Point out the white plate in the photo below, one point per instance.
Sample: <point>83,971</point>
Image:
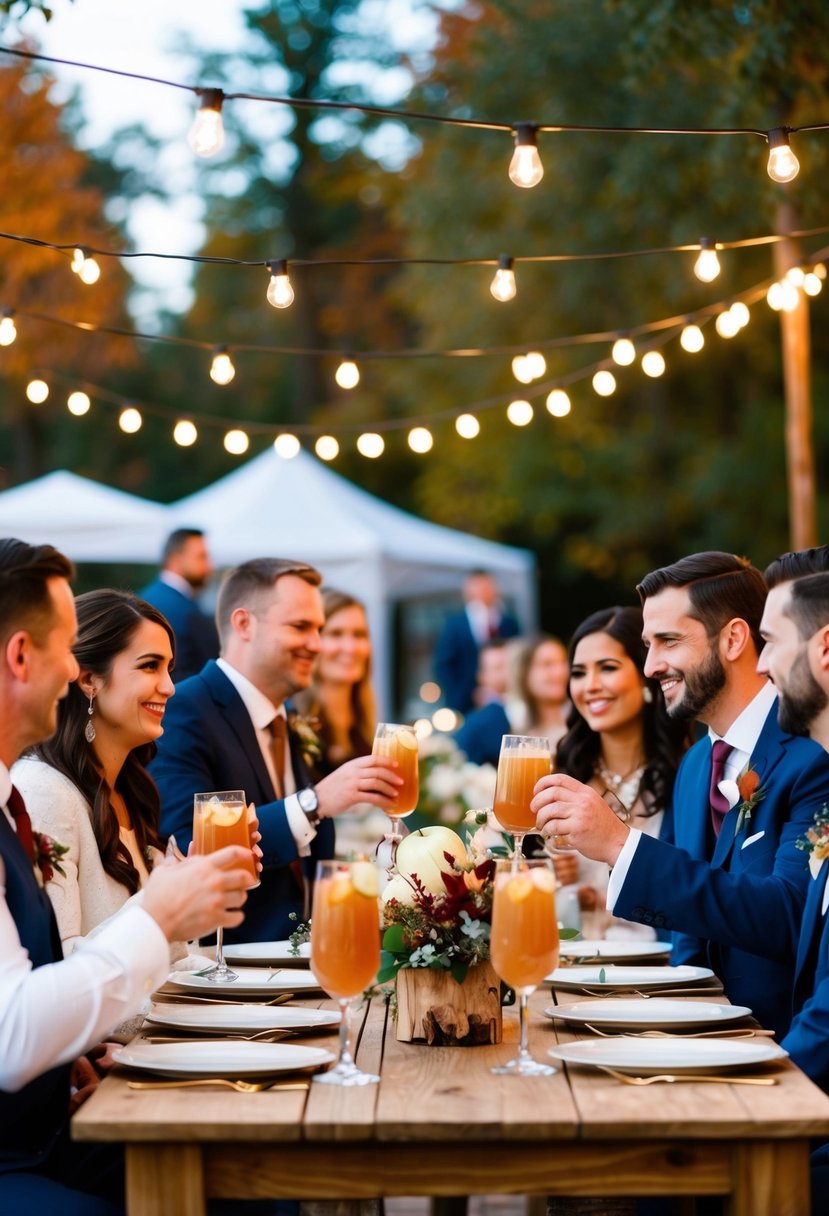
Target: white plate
<point>669,1055</point>
<point>657,1011</point>
<point>610,950</point>
<point>258,980</point>
<point>268,953</point>
<point>599,976</point>
<point>242,1017</point>
<point>220,1059</point>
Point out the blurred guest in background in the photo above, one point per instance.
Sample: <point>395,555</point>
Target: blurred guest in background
<point>463,634</point>
<point>185,570</point>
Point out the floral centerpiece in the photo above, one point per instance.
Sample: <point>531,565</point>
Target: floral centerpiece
<point>816,841</point>
<point>451,785</point>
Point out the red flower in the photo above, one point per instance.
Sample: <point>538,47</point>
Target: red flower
<point>748,783</point>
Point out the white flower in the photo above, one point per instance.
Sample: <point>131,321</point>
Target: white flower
<point>422,957</point>
<point>473,928</point>
<point>444,782</point>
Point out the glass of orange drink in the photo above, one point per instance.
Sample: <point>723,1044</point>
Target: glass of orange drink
<point>399,743</point>
<point>523,947</point>
<point>345,947</point>
<point>221,818</point>
<point>522,761</point>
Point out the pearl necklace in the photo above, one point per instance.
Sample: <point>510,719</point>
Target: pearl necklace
<point>623,786</point>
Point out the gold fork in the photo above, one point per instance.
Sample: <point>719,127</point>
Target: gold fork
<point>269,1036</point>
<point>696,1078</point>
<point>242,1087</point>
<point>186,998</point>
<point>739,1033</point>
<point>618,991</point>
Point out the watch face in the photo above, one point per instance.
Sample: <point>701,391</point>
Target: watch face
<point>308,800</point>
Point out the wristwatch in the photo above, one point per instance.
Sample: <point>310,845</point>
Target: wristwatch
<point>309,803</point>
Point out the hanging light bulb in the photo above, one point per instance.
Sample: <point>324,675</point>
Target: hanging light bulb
<point>537,364</point>
<point>783,165</point>
<point>811,285</point>
<point>782,296</point>
<point>78,404</point>
<point>520,413</point>
<point>739,310</point>
<point>130,420</point>
<point>467,426</point>
<point>692,339</point>
<point>8,329</point>
<point>37,391</point>
<point>503,285</point>
<point>623,352</point>
<point>558,403</point>
<point>236,443</point>
<point>286,445</point>
<point>726,324</point>
<point>707,265</point>
<point>85,267</point>
<point>280,291</point>
<point>327,447</point>
<point>525,168</point>
<point>371,445</point>
<point>420,440</point>
<point>207,134</point>
<point>521,369</point>
<point>222,370</point>
<point>820,269</point>
<point>604,383</point>
<point>347,374</point>
<point>796,275</point>
<point>185,433</point>
<point>653,364</point>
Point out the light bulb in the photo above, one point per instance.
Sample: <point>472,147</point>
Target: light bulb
<point>707,265</point>
<point>604,383</point>
<point>520,413</point>
<point>525,168</point>
<point>623,352</point>
<point>811,285</point>
<point>347,374</point>
<point>537,364</point>
<point>236,442</point>
<point>222,370</point>
<point>503,285</point>
<point>130,420</point>
<point>207,134</point>
<point>371,445</point>
<point>37,391</point>
<point>740,313</point>
<point>726,324</point>
<point>558,403</point>
<point>521,369</point>
<point>286,445</point>
<point>78,404</point>
<point>782,296</point>
<point>8,329</point>
<point>185,433</point>
<point>783,165</point>
<point>653,364</point>
<point>89,272</point>
<point>796,275</point>
<point>467,426</point>
<point>420,439</point>
<point>692,339</point>
<point>327,447</point>
<point>820,269</point>
<point>280,292</point>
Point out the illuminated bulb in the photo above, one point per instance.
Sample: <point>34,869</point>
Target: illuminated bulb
<point>78,404</point>
<point>503,285</point>
<point>537,364</point>
<point>521,369</point>
<point>558,403</point>
<point>445,719</point>
<point>422,728</point>
<point>8,330</point>
<point>347,374</point>
<point>623,352</point>
<point>783,165</point>
<point>467,426</point>
<point>371,445</point>
<point>185,433</point>
<point>525,168</point>
<point>820,270</point>
<point>520,413</point>
<point>726,324</point>
<point>90,272</point>
<point>430,692</point>
<point>327,447</point>
<point>740,313</point>
<point>236,442</point>
<point>811,285</point>
<point>280,291</point>
<point>286,445</point>
<point>130,420</point>
<point>692,339</point>
<point>78,258</point>
<point>37,391</point>
<point>796,275</point>
<point>707,265</point>
<point>420,439</point>
<point>782,296</point>
<point>222,370</point>
<point>653,364</point>
<point>207,133</point>
<point>604,383</point>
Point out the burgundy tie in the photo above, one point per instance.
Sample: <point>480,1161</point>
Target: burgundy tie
<point>720,752</point>
<point>22,822</point>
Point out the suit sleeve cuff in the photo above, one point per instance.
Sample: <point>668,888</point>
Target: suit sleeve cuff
<point>302,831</point>
<point>620,870</point>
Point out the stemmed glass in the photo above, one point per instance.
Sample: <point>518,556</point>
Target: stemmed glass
<point>345,947</point>
<point>523,947</point>
<point>524,759</point>
<point>221,818</point>
<point>399,743</point>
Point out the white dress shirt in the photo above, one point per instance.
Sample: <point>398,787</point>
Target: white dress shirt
<point>50,1015</point>
<point>262,712</point>
<point>742,735</point>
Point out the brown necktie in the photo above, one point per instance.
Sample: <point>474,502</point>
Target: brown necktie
<point>279,738</point>
<point>22,822</point>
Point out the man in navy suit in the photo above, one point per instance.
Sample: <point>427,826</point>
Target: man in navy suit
<point>734,887</point>
<point>463,633</point>
<point>228,728</point>
<point>185,570</point>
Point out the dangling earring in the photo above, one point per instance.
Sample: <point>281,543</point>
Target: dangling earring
<point>647,696</point>
<point>89,731</point>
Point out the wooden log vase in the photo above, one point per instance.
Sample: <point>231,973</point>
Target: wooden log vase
<point>432,1007</point>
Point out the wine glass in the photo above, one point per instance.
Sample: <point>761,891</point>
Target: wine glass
<point>524,759</point>
<point>345,947</point>
<point>399,743</point>
<point>523,946</point>
<point>221,818</point>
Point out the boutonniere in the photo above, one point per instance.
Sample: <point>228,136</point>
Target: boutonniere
<point>306,730</point>
<point>47,857</point>
<point>751,792</point>
<point>816,841</point>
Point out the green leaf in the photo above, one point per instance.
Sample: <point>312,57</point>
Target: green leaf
<point>459,970</point>
<point>394,939</point>
<point>567,935</point>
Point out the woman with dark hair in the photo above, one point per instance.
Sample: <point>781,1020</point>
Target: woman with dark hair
<point>88,786</point>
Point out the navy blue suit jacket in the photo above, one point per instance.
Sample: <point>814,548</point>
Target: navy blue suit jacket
<point>480,736</point>
<point>456,658</point>
<point>209,743</point>
<point>196,636</point>
<point>808,1039</point>
<point>736,905</point>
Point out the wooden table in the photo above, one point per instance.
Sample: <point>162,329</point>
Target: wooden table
<point>440,1124</point>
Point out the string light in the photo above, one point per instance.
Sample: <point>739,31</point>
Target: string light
<point>707,265</point>
<point>222,370</point>
<point>207,135</point>
<point>739,310</point>
<point>726,324</point>
<point>420,439</point>
<point>623,352</point>
<point>347,374</point>
<point>692,339</point>
<point>537,364</point>
<point>130,420</point>
<point>521,369</point>
<point>783,165</point>
<point>520,413</point>
<point>8,329</point>
<point>525,168</point>
<point>185,433</point>
<point>653,364</point>
<point>78,403</point>
<point>371,445</point>
<point>811,285</point>
<point>236,443</point>
<point>280,292</point>
<point>782,296</point>
<point>558,403</point>
<point>327,447</point>
<point>604,383</point>
<point>467,426</point>
<point>37,391</point>
<point>286,445</point>
<point>85,267</point>
<point>503,285</point>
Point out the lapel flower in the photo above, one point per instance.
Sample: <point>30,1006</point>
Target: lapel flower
<point>47,857</point>
<point>816,841</point>
<point>750,792</point>
<point>306,730</point>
